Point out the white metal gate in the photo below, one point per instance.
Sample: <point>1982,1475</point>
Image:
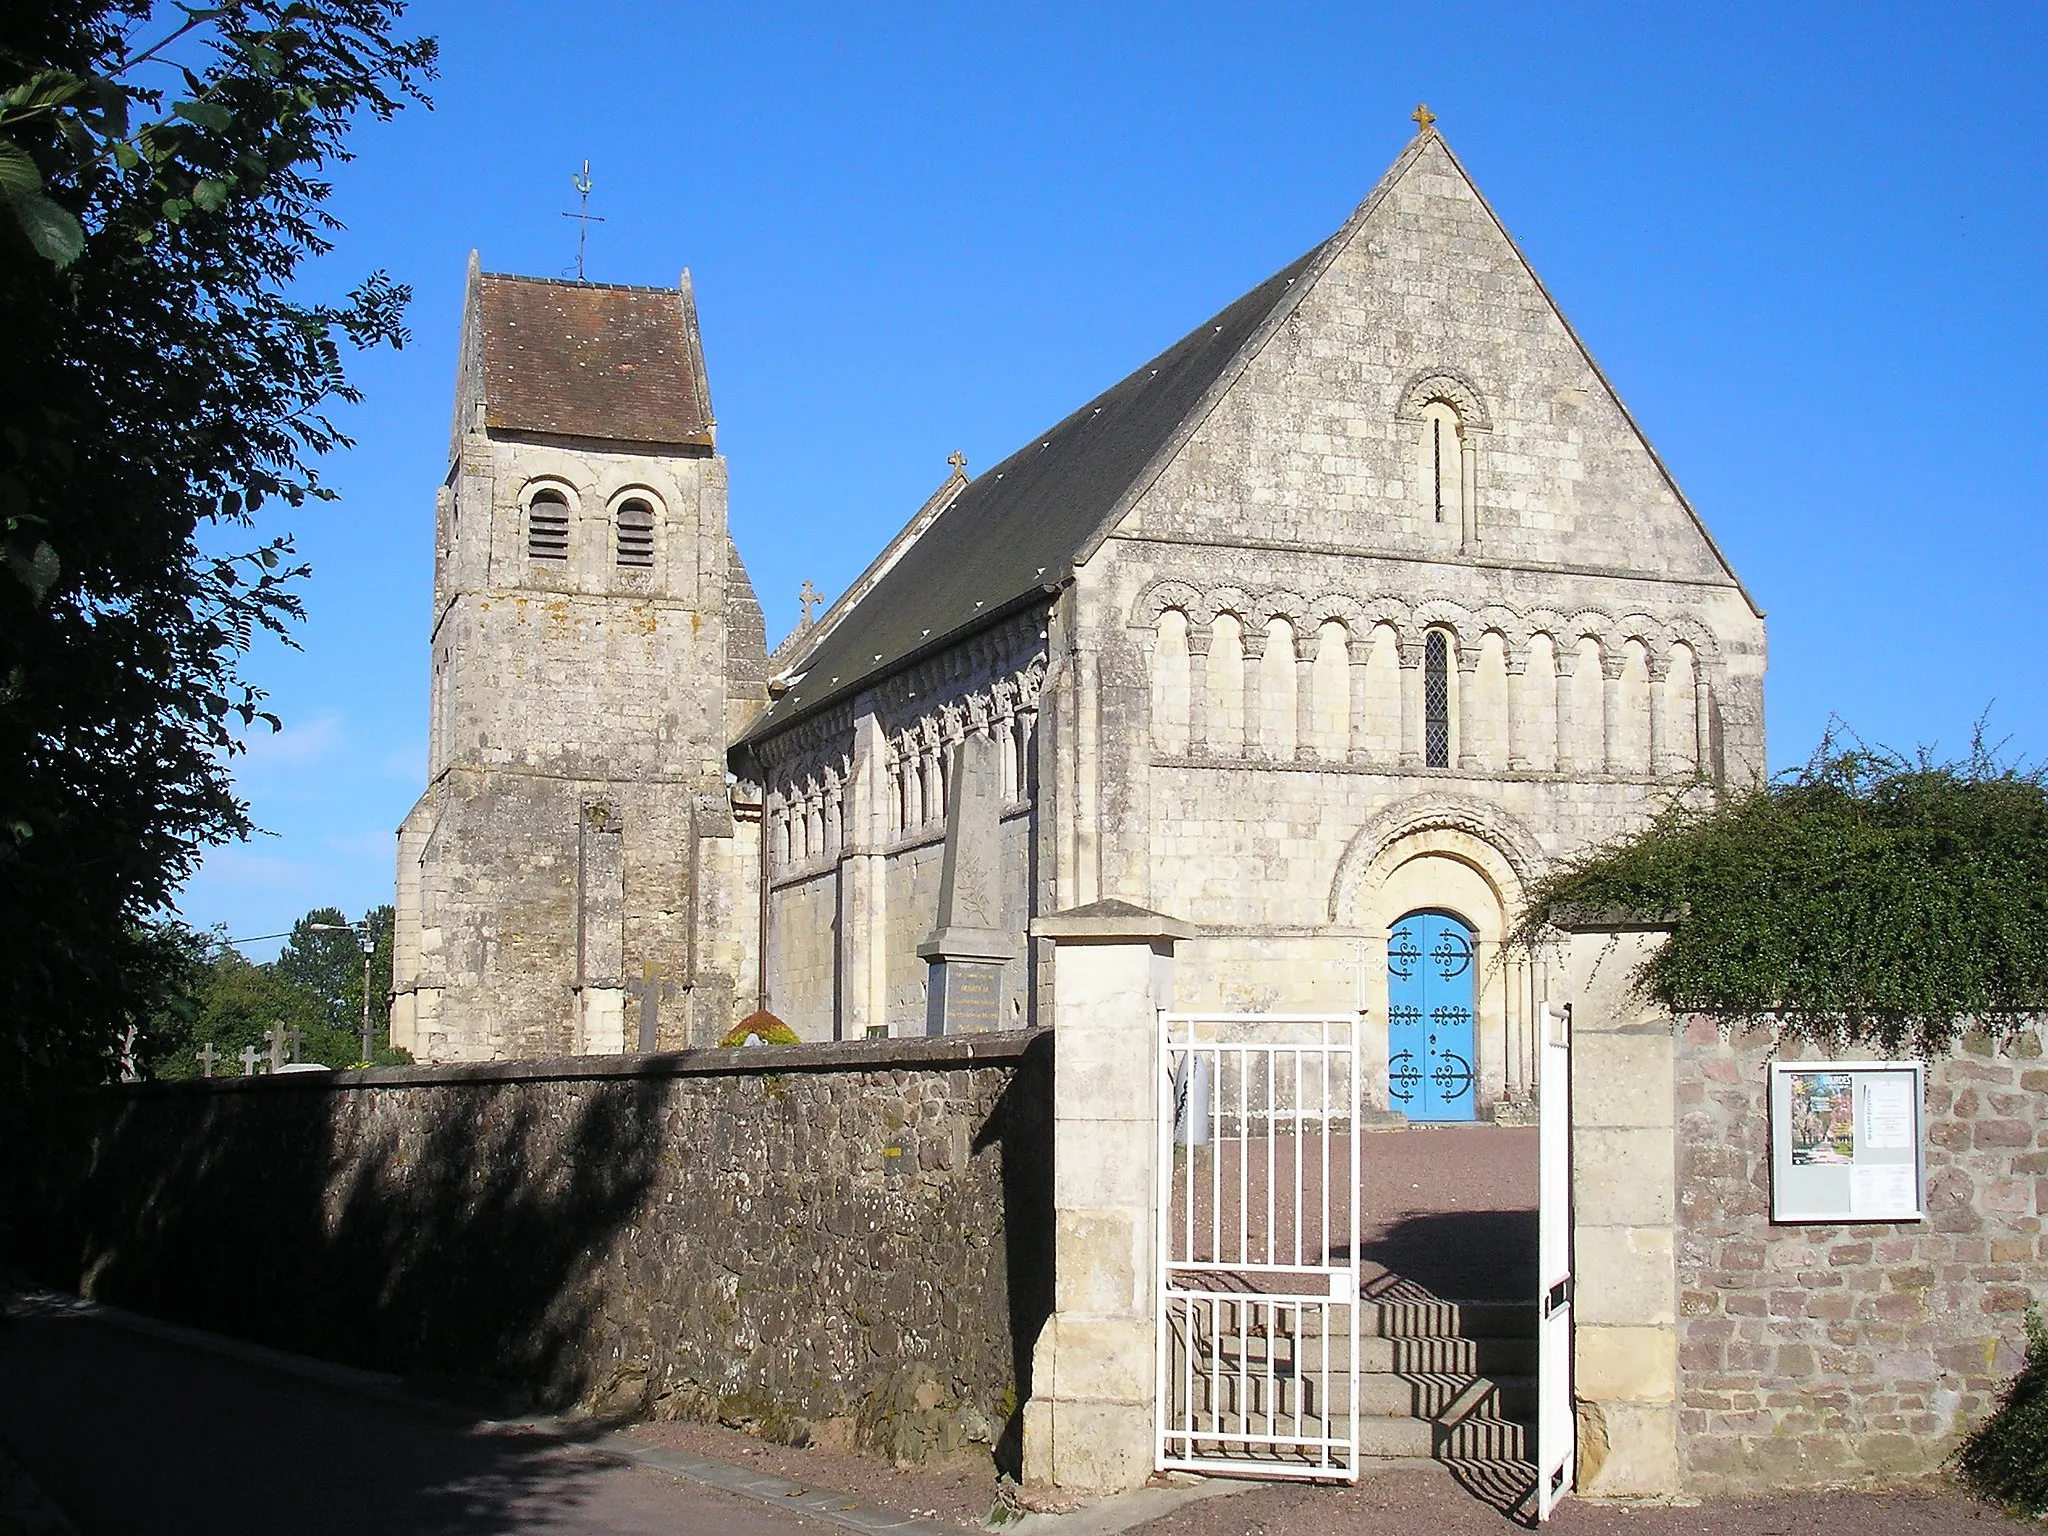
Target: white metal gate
<point>1556,1419</point>
<point>1257,1366</point>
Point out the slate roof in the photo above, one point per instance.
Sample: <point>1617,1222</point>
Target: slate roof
<point>593,360</point>
<point>1016,529</point>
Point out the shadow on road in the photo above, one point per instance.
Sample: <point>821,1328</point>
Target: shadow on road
<point>133,1433</point>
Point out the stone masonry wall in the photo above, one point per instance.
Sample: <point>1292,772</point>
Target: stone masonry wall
<point>854,1235</point>
<point>1820,1354</point>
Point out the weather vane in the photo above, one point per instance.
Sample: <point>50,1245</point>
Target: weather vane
<point>582,183</point>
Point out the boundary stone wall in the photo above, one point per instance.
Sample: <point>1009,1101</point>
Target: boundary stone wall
<point>851,1238</point>
<point>1811,1355</point>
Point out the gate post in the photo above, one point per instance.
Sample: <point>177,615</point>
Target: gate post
<point>1624,1211</point>
<point>1089,1424</point>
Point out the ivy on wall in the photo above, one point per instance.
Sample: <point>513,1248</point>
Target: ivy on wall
<point>1867,895</point>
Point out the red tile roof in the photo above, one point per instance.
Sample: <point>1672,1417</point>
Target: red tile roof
<point>591,360</point>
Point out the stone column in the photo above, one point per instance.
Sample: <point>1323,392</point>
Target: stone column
<point>1624,1212</point>
<point>1516,1088</point>
<point>1088,1425</point>
<point>1611,668</point>
<point>1358,652</point>
<point>1467,757</point>
<point>1198,691</point>
<point>1468,494</point>
<point>1305,694</point>
<point>1410,657</point>
<point>1252,642</point>
<point>1562,757</point>
<point>1702,719</point>
<point>1660,671</point>
<point>1517,666</point>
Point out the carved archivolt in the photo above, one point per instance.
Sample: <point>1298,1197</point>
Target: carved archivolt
<point>1453,389</point>
<point>1517,847</point>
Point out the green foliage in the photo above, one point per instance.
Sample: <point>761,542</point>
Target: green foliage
<point>162,180</point>
<point>1870,895</point>
<point>324,955</point>
<point>315,986</point>
<point>2006,1457</point>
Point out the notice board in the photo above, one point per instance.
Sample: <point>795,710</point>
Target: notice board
<point>1847,1141</point>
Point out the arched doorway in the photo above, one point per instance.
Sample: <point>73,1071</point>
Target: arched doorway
<point>1432,1008</point>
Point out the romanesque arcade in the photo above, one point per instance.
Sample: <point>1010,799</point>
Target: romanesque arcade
<point>1387,683</point>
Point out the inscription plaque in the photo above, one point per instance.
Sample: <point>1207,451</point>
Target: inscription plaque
<point>964,995</point>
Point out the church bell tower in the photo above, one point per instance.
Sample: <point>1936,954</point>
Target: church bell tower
<point>573,880</point>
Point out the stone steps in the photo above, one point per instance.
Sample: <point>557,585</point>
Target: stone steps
<point>1438,1380</point>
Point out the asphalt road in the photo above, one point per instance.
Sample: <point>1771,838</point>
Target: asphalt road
<point>131,1434</point>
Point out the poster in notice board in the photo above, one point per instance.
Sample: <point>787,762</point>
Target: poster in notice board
<point>1846,1141</point>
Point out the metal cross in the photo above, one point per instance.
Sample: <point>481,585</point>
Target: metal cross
<point>250,1056</point>
<point>1422,117</point>
<point>958,460</point>
<point>207,1056</point>
<point>810,597</point>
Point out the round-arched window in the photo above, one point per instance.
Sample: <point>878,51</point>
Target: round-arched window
<point>636,535</point>
<point>1436,699</point>
<point>547,526</point>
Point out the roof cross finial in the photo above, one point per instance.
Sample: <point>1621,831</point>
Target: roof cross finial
<point>809,597</point>
<point>1422,117</point>
<point>958,460</point>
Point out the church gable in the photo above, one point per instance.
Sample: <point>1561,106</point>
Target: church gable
<point>1423,397</point>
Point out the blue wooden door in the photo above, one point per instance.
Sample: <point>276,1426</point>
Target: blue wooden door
<point>1432,992</point>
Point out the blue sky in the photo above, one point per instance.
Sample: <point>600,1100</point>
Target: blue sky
<point>1809,245</point>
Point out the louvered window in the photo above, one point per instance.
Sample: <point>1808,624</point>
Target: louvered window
<point>1436,700</point>
<point>636,535</point>
<point>547,526</point>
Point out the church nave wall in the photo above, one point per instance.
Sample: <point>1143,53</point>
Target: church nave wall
<point>855,808</point>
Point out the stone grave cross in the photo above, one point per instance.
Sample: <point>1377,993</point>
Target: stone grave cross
<point>250,1056</point>
<point>207,1056</point>
<point>647,993</point>
<point>274,1038</point>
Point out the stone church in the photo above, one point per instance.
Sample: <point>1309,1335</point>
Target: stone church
<point>1325,631</point>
